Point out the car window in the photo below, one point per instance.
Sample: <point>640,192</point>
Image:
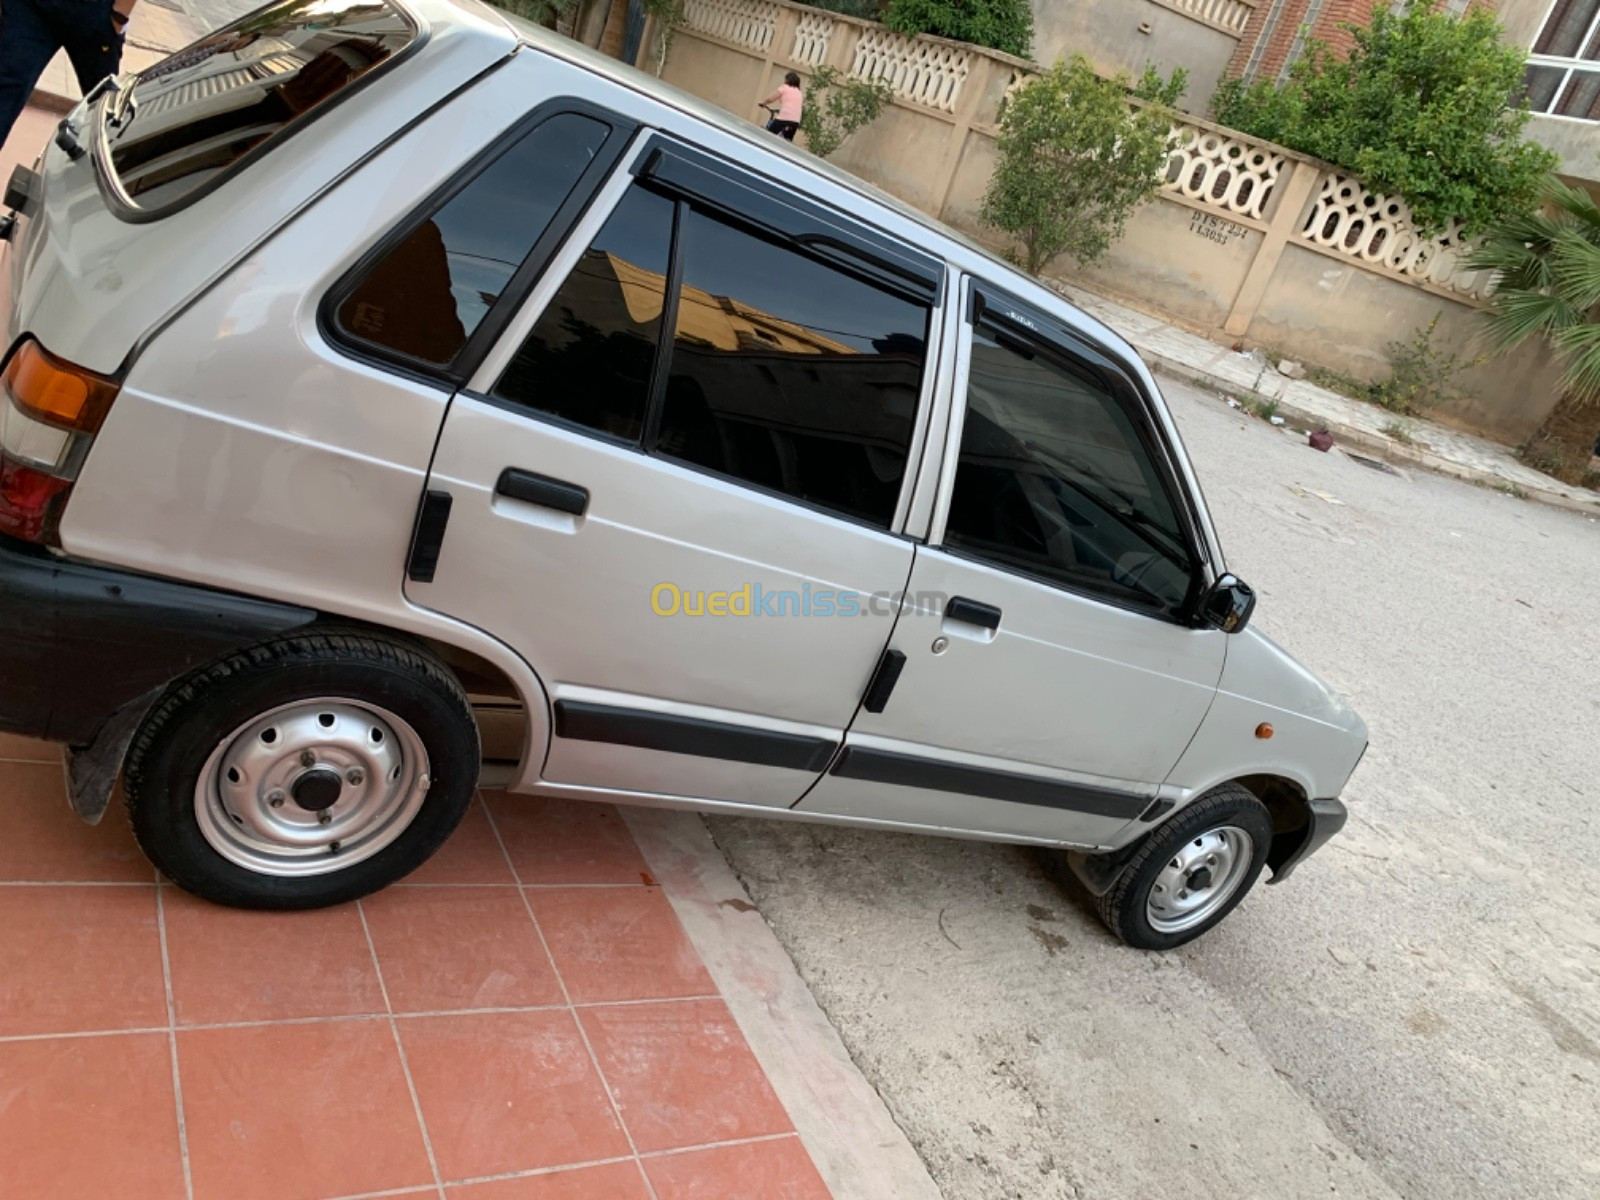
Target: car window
<point>790,374</point>
<point>195,114</point>
<point>1054,480</point>
<point>589,357</point>
<point>423,298</point>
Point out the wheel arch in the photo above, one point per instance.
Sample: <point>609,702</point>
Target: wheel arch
<point>1290,808</point>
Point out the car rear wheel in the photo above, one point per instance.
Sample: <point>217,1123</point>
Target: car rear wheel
<point>1191,872</point>
<point>307,771</point>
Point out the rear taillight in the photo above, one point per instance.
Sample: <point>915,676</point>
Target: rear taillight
<point>49,412</point>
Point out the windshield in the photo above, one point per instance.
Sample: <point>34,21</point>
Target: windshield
<point>194,115</point>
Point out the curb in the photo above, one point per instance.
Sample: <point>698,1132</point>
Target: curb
<point>859,1150</point>
<point>1382,447</point>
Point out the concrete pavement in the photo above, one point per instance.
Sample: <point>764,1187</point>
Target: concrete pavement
<point>1415,1013</point>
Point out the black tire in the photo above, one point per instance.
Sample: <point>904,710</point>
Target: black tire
<point>1125,908</point>
<point>199,712</point>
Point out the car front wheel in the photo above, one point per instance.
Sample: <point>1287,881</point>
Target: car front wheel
<point>1191,872</point>
<point>307,771</point>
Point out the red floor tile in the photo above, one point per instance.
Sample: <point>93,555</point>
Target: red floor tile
<point>79,958</point>
<point>682,1074</point>
<point>504,1092</point>
<point>567,841</point>
<point>471,855</point>
<point>614,1181</point>
<point>21,749</point>
<point>233,965</point>
<point>296,1112</point>
<point>618,944</point>
<point>449,948</point>
<point>780,1170</point>
<point>45,841</point>
<point>89,1117</point>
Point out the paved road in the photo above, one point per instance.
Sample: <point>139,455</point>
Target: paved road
<point>1417,1013</point>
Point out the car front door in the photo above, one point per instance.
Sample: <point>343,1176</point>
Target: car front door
<point>1050,677</point>
<point>685,454</point>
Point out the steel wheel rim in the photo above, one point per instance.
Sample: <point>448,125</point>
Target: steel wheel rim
<point>1219,860</point>
<point>312,787</point>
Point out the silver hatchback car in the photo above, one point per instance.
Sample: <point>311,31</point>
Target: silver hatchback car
<point>399,397</point>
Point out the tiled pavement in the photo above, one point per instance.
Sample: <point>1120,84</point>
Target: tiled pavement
<point>523,1019</point>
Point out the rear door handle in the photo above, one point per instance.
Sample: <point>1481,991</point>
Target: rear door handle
<point>542,490</point>
<point>985,616</point>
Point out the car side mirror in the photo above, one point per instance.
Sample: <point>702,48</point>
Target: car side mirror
<point>1228,604</point>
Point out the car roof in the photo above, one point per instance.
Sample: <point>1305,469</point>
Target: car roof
<point>996,269</point>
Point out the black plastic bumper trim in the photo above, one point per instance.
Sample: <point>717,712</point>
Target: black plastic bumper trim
<point>1327,818</point>
<point>909,770</point>
<point>78,642</point>
<point>586,722</point>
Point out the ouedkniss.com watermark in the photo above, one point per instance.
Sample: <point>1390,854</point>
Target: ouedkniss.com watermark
<point>753,600</point>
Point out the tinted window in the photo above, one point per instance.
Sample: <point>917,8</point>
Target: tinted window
<point>791,375</point>
<point>1054,480</point>
<point>425,297</point>
<point>589,358</point>
<point>198,112</point>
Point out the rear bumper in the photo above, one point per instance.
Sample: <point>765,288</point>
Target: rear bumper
<point>79,643</point>
<point>1327,818</point>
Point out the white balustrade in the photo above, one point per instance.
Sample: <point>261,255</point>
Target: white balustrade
<point>922,72</point>
<point>1228,173</point>
<point>749,23</point>
<point>1231,16</point>
<point>1352,220</point>
<point>812,34</point>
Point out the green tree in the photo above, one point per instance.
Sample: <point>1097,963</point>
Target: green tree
<point>1549,287</point>
<point>1075,158</point>
<point>1425,106</point>
<point>999,24</point>
<point>835,108</point>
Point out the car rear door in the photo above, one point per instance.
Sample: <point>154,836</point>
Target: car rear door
<point>681,462</point>
<point>1050,677</point>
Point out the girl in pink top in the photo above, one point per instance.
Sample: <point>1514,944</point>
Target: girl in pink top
<point>789,99</point>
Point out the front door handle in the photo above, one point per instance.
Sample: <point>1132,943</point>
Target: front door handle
<point>985,616</point>
<point>542,490</point>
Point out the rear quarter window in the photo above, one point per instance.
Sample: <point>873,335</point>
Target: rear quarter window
<point>234,94</point>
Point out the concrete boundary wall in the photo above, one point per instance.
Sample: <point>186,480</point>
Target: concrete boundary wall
<point>1247,241</point>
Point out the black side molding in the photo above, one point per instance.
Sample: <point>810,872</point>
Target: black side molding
<point>586,722</point>
<point>427,539</point>
<point>883,681</point>
<point>986,616</point>
<point>908,770</point>
<point>542,490</point>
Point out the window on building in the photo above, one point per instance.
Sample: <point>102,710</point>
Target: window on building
<point>1054,481</point>
<point>1563,77</point>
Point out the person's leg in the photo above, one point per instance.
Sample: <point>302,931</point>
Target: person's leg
<point>92,44</point>
<point>27,44</point>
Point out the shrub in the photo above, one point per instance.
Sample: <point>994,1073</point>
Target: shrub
<point>1075,158</point>
<point>851,8</point>
<point>835,108</point>
<point>1420,373</point>
<point>1425,107</point>
<point>999,24</point>
<point>1549,290</point>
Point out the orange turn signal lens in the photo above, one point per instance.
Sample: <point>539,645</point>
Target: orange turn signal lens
<point>52,390</point>
<point>1263,730</point>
